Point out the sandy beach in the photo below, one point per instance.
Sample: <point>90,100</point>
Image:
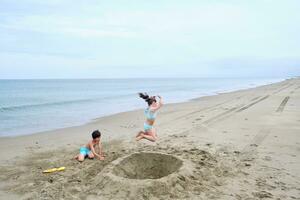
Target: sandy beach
<point>238,145</point>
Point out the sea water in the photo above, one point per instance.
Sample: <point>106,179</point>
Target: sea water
<point>30,106</point>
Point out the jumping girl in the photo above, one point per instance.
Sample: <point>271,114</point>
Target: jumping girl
<point>149,132</point>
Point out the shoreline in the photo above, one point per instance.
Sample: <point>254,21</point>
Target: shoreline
<point>237,145</point>
<point>50,137</point>
<point>134,109</point>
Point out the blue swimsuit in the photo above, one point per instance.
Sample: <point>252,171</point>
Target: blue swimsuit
<point>151,116</point>
<point>85,151</point>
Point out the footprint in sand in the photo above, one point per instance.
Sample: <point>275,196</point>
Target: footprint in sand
<point>237,152</point>
<point>267,158</point>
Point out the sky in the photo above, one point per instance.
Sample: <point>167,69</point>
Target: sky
<point>145,39</point>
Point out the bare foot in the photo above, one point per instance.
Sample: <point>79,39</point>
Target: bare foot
<point>139,133</point>
<point>141,136</point>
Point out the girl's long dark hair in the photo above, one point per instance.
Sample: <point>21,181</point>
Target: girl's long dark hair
<point>146,97</point>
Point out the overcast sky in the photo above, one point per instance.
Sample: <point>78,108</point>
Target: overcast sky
<point>143,38</point>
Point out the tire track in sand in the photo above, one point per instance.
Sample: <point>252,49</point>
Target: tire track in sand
<point>252,104</point>
<point>283,104</point>
<point>234,110</point>
<point>283,88</point>
<point>248,150</point>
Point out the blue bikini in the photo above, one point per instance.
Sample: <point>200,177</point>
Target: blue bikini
<point>150,116</point>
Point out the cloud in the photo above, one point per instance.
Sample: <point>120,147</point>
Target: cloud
<point>169,34</point>
<point>66,26</point>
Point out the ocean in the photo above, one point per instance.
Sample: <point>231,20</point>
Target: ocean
<point>31,106</point>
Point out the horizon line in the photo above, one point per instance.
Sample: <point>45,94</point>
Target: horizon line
<point>83,78</point>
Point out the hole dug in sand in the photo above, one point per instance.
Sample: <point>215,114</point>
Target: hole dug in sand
<point>147,166</point>
<point>137,175</point>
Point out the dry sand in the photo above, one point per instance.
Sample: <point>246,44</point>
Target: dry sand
<point>239,145</point>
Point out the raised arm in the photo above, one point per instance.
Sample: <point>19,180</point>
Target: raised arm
<point>160,100</point>
<point>159,105</point>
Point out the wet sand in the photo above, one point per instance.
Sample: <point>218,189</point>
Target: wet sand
<point>238,145</point>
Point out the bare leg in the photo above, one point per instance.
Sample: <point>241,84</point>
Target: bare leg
<point>150,138</point>
<point>80,157</point>
<point>139,133</point>
<point>154,133</point>
<point>140,136</point>
<point>91,155</point>
<point>150,135</point>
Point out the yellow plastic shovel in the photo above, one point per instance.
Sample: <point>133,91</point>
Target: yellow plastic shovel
<point>54,170</point>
